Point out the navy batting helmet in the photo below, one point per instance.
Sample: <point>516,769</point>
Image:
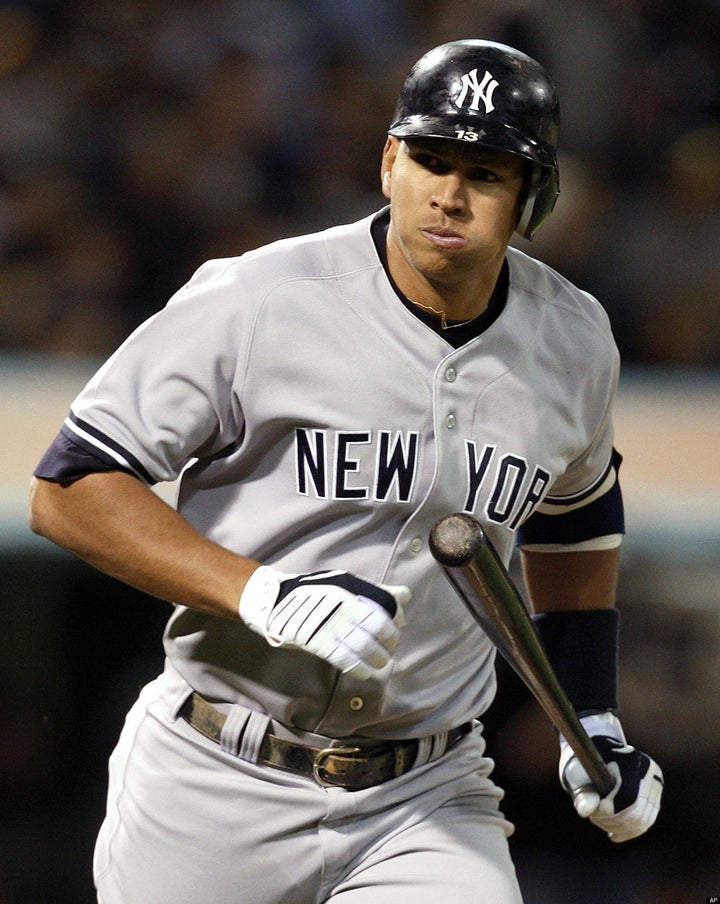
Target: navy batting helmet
<point>495,96</point>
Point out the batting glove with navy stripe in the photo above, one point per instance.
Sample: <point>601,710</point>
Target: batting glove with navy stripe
<point>633,805</point>
<point>349,622</point>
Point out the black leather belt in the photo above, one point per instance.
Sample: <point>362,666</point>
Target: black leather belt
<point>353,768</point>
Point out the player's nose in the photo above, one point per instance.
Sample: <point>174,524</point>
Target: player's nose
<point>449,195</point>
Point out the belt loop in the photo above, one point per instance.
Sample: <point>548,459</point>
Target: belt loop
<point>257,725</point>
<point>233,729</point>
<point>439,745</point>
<point>431,748</point>
<point>423,752</point>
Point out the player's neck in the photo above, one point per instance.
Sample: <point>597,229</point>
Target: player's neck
<point>451,296</point>
<point>451,303</point>
<point>453,306</point>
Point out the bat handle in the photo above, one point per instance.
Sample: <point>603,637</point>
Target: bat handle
<point>601,780</point>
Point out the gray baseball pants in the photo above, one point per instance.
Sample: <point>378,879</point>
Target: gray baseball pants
<point>189,823</point>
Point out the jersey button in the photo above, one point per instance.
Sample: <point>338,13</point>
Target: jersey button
<point>356,703</point>
<point>417,544</point>
<point>450,421</point>
<point>451,374</point>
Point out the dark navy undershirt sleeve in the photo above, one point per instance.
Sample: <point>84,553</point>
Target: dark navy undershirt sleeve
<point>66,461</point>
<point>601,516</point>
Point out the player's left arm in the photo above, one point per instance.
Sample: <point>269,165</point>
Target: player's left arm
<point>570,580</point>
<point>571,589</point>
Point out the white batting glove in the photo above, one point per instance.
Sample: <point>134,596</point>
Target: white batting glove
<point>345,620</point>
<point>633,804</point>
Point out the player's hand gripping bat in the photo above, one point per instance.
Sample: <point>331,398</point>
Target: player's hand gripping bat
<point>473,567</point>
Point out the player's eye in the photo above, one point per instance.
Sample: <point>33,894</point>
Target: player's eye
<point>482,174</point>
<point>431,162</point>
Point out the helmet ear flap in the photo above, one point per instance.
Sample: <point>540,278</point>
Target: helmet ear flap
<point>541,193</point>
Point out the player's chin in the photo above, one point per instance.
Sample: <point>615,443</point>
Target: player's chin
<point>455,269</point>
<point>434,257</point>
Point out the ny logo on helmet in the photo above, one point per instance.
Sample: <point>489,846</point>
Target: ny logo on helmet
<point>481,91</point>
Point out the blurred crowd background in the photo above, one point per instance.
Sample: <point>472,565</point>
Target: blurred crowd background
<point>139,138</point>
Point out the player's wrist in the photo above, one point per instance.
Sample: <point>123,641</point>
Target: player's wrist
<point>258,597</point>
<point>604,724</point>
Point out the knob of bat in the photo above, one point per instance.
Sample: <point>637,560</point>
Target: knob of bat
<point>456,539</point>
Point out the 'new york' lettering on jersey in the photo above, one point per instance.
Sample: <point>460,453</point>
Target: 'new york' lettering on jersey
<point>327,472</point>
<point>327,468</point>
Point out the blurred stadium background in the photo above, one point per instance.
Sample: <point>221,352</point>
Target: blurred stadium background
<point>140,137</point>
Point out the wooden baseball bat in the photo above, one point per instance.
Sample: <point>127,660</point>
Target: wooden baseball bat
<point>473,567</point>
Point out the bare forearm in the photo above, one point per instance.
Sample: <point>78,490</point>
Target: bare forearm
<point>564,581</point>
<point>118,525</point>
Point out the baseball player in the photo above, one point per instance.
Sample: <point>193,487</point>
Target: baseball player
<point>325,400</point>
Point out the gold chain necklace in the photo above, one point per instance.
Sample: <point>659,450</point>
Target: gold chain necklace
<point>441,314</point>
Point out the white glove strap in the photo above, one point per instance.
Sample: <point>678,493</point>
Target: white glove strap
<point>606,724</point>
<point>258,598</point>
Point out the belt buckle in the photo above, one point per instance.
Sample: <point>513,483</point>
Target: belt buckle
<point>319,764</point>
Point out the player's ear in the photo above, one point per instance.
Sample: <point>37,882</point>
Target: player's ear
<point>388,160</point>
<point>386,183</point>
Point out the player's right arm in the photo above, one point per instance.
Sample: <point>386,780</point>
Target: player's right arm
<point>119,525</point>
<point>116,523</point>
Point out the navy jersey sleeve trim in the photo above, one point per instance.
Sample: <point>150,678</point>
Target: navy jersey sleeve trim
<point>600,515</point>
<point>65,462</point>
<point>103,448</point>
<point>599,518</point>
<point>597,486</point>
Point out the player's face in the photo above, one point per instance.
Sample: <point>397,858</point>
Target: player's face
<point>454,209</point>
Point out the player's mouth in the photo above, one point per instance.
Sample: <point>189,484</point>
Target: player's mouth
<point>444,238</point>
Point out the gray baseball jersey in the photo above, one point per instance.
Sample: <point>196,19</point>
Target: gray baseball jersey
<point>318,424</point>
